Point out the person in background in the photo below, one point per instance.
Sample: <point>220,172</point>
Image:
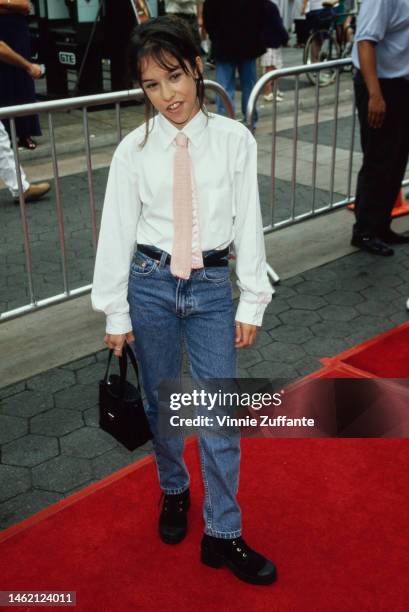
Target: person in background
<point>191,12</point>
<point>234,28</point>
<point>300,24</point>
<point>275,36</point>
<point>121,18</point>
<point>381,83</point>
<point>286,11</point>
<point>16,86</point>
<point>319,17</point>
<point>8,170</point>
<point>318,11</point>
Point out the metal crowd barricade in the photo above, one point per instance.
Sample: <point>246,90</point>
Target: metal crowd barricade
<point>274,76</point>
<point>83,102</point>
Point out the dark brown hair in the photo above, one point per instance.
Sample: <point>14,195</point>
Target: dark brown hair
<point>160,38</point>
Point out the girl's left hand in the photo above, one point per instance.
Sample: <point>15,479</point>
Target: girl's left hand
<point>245,334</point>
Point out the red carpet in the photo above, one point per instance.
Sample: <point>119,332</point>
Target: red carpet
<point>385,356</point>
<point>332,514</point>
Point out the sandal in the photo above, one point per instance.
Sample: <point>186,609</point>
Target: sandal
<point>27,143</point>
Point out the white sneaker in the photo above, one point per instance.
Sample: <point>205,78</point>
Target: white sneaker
<point>270,97</point>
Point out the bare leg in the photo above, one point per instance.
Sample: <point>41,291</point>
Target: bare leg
<point>348,31</point>
<point>268,89</point>
<point>316,49</point>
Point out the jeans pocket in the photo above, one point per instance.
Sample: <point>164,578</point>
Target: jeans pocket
<point>142,265</point>
<point>216,274</point>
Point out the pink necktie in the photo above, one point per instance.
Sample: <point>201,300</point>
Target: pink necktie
<point>181,260</point>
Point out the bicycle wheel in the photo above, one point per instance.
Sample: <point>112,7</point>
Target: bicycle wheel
<point>321,47</point>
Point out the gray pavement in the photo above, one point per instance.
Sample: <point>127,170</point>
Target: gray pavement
<point>45,241</point>
<point>326,134</point>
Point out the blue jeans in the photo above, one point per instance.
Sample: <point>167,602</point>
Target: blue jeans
<point>226,77</point>
<point>165,312</point>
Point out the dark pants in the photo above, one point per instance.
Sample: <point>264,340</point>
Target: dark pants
<point>16,86</point>
<point>301,30</point>
<point>385,156</point>
<point>320,19</point>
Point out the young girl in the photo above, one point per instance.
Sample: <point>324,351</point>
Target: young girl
<point>181,189</point>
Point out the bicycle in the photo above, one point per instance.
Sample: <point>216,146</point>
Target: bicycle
<point>323,45</point>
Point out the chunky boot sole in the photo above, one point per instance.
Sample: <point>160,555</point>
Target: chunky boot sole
<point>216,561</point>
<point>167,539</point>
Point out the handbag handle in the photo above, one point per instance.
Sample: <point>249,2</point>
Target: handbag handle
<point>123,366</point>
<point>133,361</point>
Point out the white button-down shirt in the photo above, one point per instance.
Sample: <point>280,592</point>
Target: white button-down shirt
<point>138,209</point>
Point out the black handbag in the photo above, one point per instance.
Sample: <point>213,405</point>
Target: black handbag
<point>121,411</point>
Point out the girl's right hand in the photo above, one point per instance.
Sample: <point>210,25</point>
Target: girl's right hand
<point>117,341</point>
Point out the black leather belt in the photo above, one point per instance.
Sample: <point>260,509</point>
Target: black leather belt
<point>210,258</point>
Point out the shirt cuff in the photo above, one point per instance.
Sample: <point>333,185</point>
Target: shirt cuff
<point>118,324</point>
<point>368,37</point>
<point>252,314</point>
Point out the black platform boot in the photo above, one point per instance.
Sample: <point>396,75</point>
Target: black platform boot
<point>173,517</point>
<point>244,562</point>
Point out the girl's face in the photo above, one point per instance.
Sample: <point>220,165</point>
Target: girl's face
<point>172,92</point>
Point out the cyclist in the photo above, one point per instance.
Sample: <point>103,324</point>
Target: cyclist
<point>319,14</point>
<point>319,17</point>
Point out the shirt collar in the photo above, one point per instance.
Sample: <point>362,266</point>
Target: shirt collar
<point>194,130</point>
